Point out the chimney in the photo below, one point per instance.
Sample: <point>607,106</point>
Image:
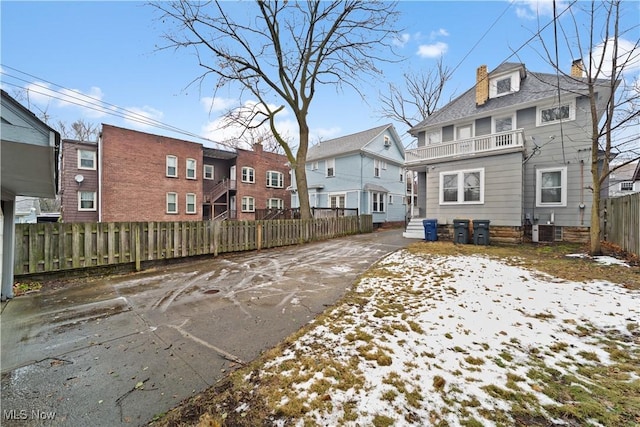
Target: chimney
<point>257,147</point>
<point>482,85</point>
<point>577,68</point>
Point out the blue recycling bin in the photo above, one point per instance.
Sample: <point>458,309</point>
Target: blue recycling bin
<point>430,229</point>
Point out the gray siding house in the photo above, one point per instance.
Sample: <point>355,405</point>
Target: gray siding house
<point>514,150</point>
<point>364,170</point>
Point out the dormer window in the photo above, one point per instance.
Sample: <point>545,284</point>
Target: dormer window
<point>504,84</point>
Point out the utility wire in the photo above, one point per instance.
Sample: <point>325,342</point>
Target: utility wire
<point>555,39</point>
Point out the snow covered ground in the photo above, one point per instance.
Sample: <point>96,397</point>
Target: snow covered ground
<point>467,340</point>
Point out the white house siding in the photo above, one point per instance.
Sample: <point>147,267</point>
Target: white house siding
<point>502,191</point>
<point>559,146</point>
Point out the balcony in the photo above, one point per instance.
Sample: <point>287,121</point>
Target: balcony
<point>494,143</point>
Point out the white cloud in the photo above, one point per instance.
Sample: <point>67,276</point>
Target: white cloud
<point>439,33</point>
<point>628,56</point>
<point>402,40</point>
<point>531,9</point>
<point>90,102</point>
<point>217,104</point>
<point>139,117</point>
<point>434,50</point>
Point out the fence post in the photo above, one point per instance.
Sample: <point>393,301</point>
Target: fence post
<point>137,244</point>
<point>259,236</point>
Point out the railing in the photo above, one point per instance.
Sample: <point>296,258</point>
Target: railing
<point>49,247</point>
<point>494,142</point>
<point>220,189</point>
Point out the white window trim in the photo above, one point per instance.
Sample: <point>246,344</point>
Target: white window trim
<point>563,183</point>
<point>204,171</point>
<point>629,184</point>
<point>80,208</point>
<point>343,195</point>
<point>460,174</point>
<point>94,155</point>
<point>279,203</point>
<point>471,125</point>
<point>280,179</point>
<point>572,112</point>
<point>515,84</point>
<point>175,175</point>
<point>253,175</point>
<point>194,168</point>
<point>195,206</point>
<point>377,168</point>
<point>314,166</point>
<point>167,203</point>
<point>433,132</point>
<point>382,198</point>
<point>253,204</point>
<point>493,122</point>
<point>331,162</point>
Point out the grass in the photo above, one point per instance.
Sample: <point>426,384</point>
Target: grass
<point>586,387</point>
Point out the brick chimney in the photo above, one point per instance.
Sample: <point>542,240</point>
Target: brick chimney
<point>482,85</point>
<point>257,146</point>
<point>577,68</point>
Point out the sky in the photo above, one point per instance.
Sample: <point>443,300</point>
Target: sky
<point>106,57</point>
<point>478,322</point>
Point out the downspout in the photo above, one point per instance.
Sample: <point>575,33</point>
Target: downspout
<point>361,184</point>
<point>100,178</point>
<point>581,205</point>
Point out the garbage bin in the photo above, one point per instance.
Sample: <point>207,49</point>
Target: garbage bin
<point>481,231</point>
<point>461,231</point>
<point>430,229</point>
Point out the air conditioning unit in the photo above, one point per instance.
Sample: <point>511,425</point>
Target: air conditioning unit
<point>543,233</point>
<point>387,142</point>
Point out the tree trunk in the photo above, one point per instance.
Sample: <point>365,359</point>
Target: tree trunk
<point>300,169</point>
<point>594,232</point>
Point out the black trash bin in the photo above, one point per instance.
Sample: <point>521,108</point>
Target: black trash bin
<point>430,229</point>
<point>481,231</point>
<point>461,231</point>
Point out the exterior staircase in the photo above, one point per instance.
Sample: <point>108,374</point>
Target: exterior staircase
<point>221,189</point>
<point>415,229</point>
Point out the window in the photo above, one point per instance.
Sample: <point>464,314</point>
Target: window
<point>337,201</point>
<point>172,166</point>
<point>387,141</point>
<point>331,167</point>
<point>376,168</point>
<point>314,166</point>
<point>551,187</point>
<point>275,204</point>
<point>207,173</point>
<point>191,169</point>
<point>459,187</point>
<point>503,85</point>
<point>553,114</point>
<point>275,179</point>
<point>86,159</point>
<point>626,186</point>
<point>86,200</point>
<point>378,202</point>
<point>503,124</point>
<point>248,204</point>
<point>402,176</point>
<point>248,174</point>
<point>434,137</point>
<point>191,203</point>
<point>390,199</point>
<point>172,203</point>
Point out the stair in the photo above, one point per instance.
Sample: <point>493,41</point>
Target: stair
<point>415,229</point>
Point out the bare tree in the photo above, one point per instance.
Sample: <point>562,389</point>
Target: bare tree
<point>280,52</point>
<point>79,130</point>
<point>419,98</point>
<point>613,98</point>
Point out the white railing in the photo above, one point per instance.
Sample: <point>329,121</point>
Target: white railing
<point>479,144</point>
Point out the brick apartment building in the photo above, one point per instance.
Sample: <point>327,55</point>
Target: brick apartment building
<point>79,181</point>
<point>135,176</point>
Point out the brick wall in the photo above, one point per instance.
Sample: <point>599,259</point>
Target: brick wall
<point>262,162</point>
<point>134,180</point>
<point>69,187</point>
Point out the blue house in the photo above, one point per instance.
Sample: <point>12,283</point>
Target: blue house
<point>364,170</point>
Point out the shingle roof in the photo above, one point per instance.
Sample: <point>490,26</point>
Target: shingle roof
<point>533,87</point>
<point>344,144</point>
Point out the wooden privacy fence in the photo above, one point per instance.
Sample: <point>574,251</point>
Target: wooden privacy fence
<point>622,222</point>
<point>51,247</point>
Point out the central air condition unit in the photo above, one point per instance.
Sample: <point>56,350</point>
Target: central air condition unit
<point>542,233</point>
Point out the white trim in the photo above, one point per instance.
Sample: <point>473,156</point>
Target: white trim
<point>342,195</point>
<point>279,203</point>
<point>572,112</point>
<point>175,165</point>
<point>514,76</point>
<point>433,132</point>
<point>457,127</point>
<point>563,187</point>
<point>195,206</point>
<point>382,199</point>
<point>204,171</point>
<point>251,208</point>
<point>503,116</point>
<point>94,155</point>
<point>80,208</point>
<point>251,177</point>
<point>194,168</point>
<point>331,162</point>
<point>280,179</point>
<point>170,193</point>
<point>460,187</point>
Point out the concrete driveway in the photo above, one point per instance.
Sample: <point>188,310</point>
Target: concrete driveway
<point>119,350</point>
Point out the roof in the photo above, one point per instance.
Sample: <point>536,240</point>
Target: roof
<point>345,144</point>
<point>375,187</point>
<point>214,153</point>
<point>628,172</point>
<point>533,87</point>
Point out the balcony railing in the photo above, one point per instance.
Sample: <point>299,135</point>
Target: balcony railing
<point>494,142</point>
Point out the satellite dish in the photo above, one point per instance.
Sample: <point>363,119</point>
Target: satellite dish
<point>79,178</point>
